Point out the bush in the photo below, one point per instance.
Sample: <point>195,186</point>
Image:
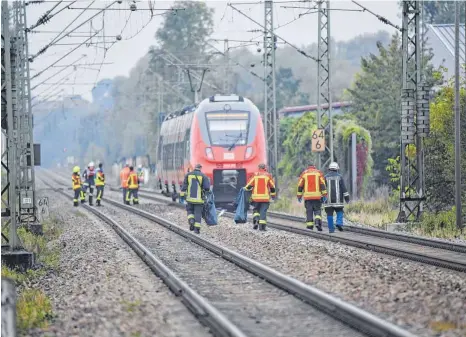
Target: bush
<point>33,309</point>
<point>440,225</point>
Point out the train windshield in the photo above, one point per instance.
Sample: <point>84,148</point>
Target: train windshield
<point>228,128</point>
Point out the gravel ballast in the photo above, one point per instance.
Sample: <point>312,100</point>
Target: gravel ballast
<point>428,301</point>
<point>102,288</point>
<point>255,306</point>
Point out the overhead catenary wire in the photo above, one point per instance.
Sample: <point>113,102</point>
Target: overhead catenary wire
<point>279,37</point>
<point>46,17</point>
<point>381,18</point>
<point>58,72</point>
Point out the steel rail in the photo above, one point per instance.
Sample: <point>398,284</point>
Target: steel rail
<point>347,313</point>
<point>384,249</point>
<point>387,235</point>
<point>200,307</point>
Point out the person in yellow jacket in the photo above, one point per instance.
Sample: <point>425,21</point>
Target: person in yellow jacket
<point>99,184</point>
<point>76,184</point>
<point>263,189</point>
<point>133,187</point>
<point>312,187</point>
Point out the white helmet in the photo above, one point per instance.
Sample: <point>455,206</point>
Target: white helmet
<point>91,164</point>
<point>139,166</point>
<point>334,166</point>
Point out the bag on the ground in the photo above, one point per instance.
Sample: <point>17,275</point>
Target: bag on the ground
<point>242,206</point>
<point>210,213</point>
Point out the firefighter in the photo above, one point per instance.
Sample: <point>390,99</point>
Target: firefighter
<point>336,193</point>
<point>124,174</point>
<point>195,186</point>
<point>263,189</point>
<point>133,186</point>
<point>89,183</point>
<point>140,174</point>
<point>99,184</point>
<point>311,187</point>
<point>76,183</point>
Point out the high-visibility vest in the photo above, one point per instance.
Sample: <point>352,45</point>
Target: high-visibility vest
<point>133,181</point>
<point>124,177</point>
<point>311,184</point>
<point>76,181</point>
<point>99,178</point>
<point>262,187</point>
<point>193,186</point>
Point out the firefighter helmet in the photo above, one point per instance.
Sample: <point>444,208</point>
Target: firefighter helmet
<point>198,167</point>
<point>76,169</point>
<point>139,166</point>
<point>261,166</point>
<point>334,166</point>
<point>91,164</point>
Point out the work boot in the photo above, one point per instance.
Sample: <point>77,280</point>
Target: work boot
<point>83,201</point>
<point>135,202</point>
<point>127,203</point>
<point>255,221</point>
<point>98,202</point>
<point>191,224</point>
<point>75,204</point>
<point>319,226</point>
<point>263,227</point>
<point>197,230</point>
<point>340,228</point>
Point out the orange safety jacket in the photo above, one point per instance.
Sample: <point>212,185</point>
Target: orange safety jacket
<point>133,180</point>
<point>311,184</point>
<point>76,181</point>
<point>262,187</point>
<point>124,174</point>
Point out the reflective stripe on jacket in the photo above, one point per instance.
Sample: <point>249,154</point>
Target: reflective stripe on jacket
<point>100,179</point>
<point>336,190</point>
<point>124,174</point>
<point>133,181</point>
<point>262,187</point>
<point>311,184</point>
<point>76,181</point>
<point>194,184</point>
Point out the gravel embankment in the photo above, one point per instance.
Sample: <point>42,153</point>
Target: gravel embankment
<point>422,298</point>
<point>102,288</point>
<point>255,306</point>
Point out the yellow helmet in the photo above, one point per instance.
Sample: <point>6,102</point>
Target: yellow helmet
<point>76,169</point>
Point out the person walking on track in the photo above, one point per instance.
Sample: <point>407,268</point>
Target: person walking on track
<point>311,187</point>
<point>336,193</point>
<point>263,189</point>
<point>99,184</point>
<point>195,185</point>
<point>133,187</point>
<point>76,184</point>
<point>124,174</point>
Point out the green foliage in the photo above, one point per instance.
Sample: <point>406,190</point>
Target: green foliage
<point>185,32</point>
<point>441,12</point>
<point>439,224</point>
<point>288,89</point>
<point>33,309</point>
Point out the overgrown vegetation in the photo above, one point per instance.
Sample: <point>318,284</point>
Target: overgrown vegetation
<point>34,309</point>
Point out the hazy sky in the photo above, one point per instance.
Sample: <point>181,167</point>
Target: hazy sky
<point>137,32</point>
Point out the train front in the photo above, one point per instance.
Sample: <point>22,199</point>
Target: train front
<point>228,140</point>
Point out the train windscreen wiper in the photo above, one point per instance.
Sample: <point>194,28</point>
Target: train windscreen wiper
<point>236,141</point>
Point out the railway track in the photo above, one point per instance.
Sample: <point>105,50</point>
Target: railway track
<point>240,296</point>
<point>428,251</point>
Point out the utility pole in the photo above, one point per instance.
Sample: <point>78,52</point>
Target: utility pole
<point>414,115</point>
<point>227,69</point>
<point>270,108</point>
<point>459,213</point>
<point>13,124</point>
<point>324,98</point>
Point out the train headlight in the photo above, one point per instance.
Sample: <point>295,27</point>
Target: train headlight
<point>248,153</point>
<point>209,153</point>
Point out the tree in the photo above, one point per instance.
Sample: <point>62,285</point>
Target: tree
<point>442,12</point>
<point>185,31</point>
<point>288,89</point>
<point>376,103</point>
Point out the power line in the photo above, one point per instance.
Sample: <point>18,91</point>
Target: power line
<point>285,41</point>
<point>381,18</point>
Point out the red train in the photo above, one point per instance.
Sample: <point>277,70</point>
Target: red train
<point>222,133</point>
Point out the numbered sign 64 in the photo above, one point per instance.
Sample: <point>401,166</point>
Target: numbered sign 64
<point>318,140</point>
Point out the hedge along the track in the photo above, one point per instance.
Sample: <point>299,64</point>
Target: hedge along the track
<point>297,145</point>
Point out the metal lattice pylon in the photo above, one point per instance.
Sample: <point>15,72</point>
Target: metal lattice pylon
<point>324,98</point>
<point>414,115</point>
<point>270,108</point>
<point>9,134</point>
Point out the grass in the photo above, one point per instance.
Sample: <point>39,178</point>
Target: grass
<point>131,306</point>
<point>33,307</point>
<point>378,210</point>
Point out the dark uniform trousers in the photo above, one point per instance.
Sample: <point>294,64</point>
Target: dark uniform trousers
<point>100,192</point>
<point>260,211</point>
<point>313,208</point>
<point>194,213</point>
<point>132,192</point>
<point>78,193</point>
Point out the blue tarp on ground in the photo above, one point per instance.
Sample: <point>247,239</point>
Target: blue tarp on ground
<point>210,213</point>
<point>242,206</point>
